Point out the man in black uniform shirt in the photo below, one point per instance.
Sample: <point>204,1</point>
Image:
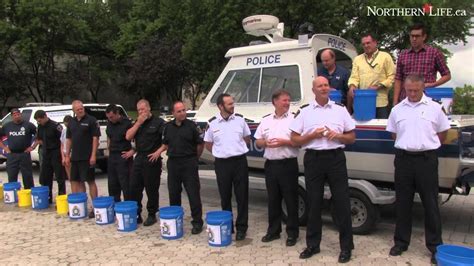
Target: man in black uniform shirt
<point>147,132</point>
<point>20,135</point>
<point>49,134</point>
<point>120,153</point>
<point>184,145</point>
<point>82,136</point>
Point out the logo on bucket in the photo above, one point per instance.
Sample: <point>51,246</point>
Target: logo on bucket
<point>7,197</point>
<point>168,227</point>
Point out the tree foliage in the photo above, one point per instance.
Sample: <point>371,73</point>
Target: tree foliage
<point>160,48</point>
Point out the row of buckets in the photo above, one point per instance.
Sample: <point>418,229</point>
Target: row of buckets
<point>124,214</point>
<point>365,100</point>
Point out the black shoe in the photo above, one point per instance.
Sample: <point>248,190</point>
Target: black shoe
<point>433,259</point>
<point>291,241</point>
<point>91,215</point>
<point>269,238</point>
<point>139,219</point>
<point>309,252</point>
<point>196,230</point>
<point>344,256</point>
<point>240,235</point>
<point>397,250</point>
<point>151,220</point>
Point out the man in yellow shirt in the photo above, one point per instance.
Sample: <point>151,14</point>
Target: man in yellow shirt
<point>373,69</point>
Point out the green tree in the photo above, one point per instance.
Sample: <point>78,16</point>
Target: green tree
<point>464,100</point>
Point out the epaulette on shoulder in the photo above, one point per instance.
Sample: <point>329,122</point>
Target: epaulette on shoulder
<point>266,115</point>
<point>239,115</point>
<point>212,118</point>
<point>436,100</point>
<point>304,105</point>
<point>340,104</point>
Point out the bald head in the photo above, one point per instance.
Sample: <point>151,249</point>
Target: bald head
<point>328,59</point>
<point>321,88</point>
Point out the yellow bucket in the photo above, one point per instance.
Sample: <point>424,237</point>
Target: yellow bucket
<point>1,191</point>
<point>62,207</point>
<point>24,198</point>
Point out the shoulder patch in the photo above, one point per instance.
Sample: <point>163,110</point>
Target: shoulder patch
<point>239,115</point>
<point>304,105</point>
<point>266,115</point>
<point>437,101</point>
<point>340,104</point>
<point>297,113</point>
<point>212,118</point>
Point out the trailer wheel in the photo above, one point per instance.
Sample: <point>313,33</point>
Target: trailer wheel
<point>302,207</point>
<point>364,214</point>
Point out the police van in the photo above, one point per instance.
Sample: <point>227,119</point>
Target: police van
<point>57,112</point>
<point>254,72</point>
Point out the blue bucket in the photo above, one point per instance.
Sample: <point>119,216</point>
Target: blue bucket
<point>451,255</point>
<point>335,95</point>
<point>126,213</point>
<point>10,192</point>
<point>219,228</point>
<point>104,210</point>
<point>40,198</point>
<point>77,205</point>
<point>364,104</point>
<point>171,222</point>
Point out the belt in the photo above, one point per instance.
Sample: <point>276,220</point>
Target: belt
<point>415,153</point>
<point>281,160</point>
<point>238,157</point>
<point>183,157</point>
<point>17,151</point>
<point>323,152</point>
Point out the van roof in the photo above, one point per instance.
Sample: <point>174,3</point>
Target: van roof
<point>63,106</point>
<point>318,41</point>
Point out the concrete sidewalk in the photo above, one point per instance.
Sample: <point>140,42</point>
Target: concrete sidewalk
<point>40,238</point>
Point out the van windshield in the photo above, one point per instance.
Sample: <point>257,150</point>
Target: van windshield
<point>99,113</point>
<point>258,85</point>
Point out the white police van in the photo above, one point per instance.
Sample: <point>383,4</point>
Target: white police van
<point>254,72</point>
<point>57,112</point>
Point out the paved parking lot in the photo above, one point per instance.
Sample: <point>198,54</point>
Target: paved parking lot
<point>39,238</point>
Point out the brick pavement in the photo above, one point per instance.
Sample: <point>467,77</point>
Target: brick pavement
<point>39,238</point>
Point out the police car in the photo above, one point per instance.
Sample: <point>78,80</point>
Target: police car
<point>57,112</point>
<point>255,71</point>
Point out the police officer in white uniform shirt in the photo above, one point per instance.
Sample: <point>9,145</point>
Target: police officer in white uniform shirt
<point>281,168</point>
<point>322,128</point>
<point>419,126</point>
<point>226,137</point>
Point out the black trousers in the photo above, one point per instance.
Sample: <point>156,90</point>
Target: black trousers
<point>17,162</point>
<point>417,173</point>
<point>52,165</point>
<point>146,175</point>
<point>118,170</point>
<point>230,172</point>
<point>183,171</point>
<point>330,166</point>
<point>281,179</point>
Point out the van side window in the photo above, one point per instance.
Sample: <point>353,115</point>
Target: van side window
<point>257,85</point>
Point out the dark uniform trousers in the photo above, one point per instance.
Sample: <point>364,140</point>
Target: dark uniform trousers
<point>330,166</point>
<point>118,170</point>
<point>52,165</point>
<point>281,179</point>
<point>183,171</point>
<point>20,161</point>
<point>146,174</point>
<point>417,172</point>
<point>234,171</point>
